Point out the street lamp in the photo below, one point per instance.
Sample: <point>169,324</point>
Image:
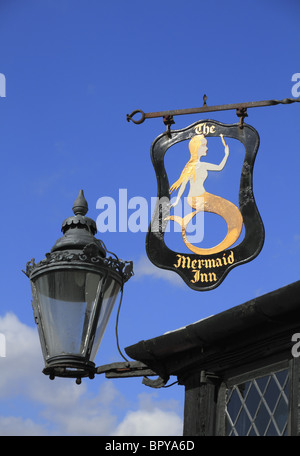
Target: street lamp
<point>74,290</point>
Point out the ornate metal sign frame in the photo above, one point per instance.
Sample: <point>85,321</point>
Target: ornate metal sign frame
<point>206,271</point>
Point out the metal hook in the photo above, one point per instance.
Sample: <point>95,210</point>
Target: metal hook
<point>129,116</point>
<point>168,121</point>
<point>241,113</point>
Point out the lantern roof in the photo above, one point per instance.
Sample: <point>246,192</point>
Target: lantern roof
<point>79,230</point>
<point>78,244</point>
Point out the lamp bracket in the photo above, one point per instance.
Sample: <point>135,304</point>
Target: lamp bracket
<point>132,369</point>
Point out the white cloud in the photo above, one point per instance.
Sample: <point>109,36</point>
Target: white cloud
<point>61,407</point>
<point>83,413</point>
<point>151,419</point>
<point>23,360</point>
<point>16,426</point>
<point>144,267</point>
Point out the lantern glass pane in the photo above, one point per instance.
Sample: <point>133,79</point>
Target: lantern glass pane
<point>67,302</point>
<point>111,292</point>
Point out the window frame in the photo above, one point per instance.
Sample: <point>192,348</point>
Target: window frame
<point>247,375</point>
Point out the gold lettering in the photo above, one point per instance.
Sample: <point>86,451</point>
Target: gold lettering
<point>230,258</point>
<point>210,263</point>
<point>179,262</point>
<point>204,129</point>
<point>212,277</point>
<point>196,276</point>
<point>218,262</point>
<point>198,129</point>
<point>194,262</point>
<point>203,277</point>
<point>186,262</point>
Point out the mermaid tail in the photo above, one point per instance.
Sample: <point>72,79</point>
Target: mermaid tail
<point>208,202</point>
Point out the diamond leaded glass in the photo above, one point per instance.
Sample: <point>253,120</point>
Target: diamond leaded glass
<point>258,406</point>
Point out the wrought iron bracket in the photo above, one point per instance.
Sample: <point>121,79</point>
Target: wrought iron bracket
<point>132,369</point>
<point>168,121</point>
<point>241,113</point>
<point>241,110</point>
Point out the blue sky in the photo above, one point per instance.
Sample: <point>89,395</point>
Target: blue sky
<point>73,70</point>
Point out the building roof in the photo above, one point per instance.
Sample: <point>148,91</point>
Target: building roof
<point>259,328</point>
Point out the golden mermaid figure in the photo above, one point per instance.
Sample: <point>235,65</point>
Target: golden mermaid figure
<point>195,172</point>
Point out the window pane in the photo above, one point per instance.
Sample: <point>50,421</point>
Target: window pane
<point>253,400</point>
<point>243,423</point>
<point>259,406</point>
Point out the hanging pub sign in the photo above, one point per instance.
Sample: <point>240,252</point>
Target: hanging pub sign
<point>204,268</point>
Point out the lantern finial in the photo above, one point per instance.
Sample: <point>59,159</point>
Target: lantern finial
<point>80,206</point>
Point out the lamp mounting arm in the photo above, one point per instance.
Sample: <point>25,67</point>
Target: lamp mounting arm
<point>132,369</point>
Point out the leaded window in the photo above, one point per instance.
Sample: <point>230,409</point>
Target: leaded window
<point>258,406</point>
